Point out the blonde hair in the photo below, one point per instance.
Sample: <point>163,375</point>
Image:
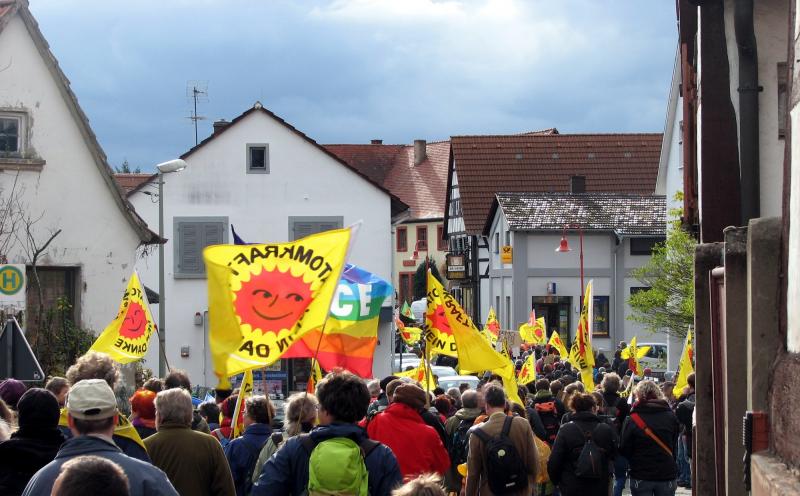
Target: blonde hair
<point>174,406</point>
<point>299,408</point>
<point>424,485</point>
<point>648,390</point>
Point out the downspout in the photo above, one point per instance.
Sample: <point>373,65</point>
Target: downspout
<point>618,238</point>
<point>748,109</point>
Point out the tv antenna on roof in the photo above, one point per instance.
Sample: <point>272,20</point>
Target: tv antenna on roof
<point>196,91</point>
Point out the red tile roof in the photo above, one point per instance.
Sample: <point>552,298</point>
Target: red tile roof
<point>611,163</point>
<point>422,187</point>
<point>132,182</point>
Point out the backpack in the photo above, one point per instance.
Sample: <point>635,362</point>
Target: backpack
<point>506,472</point>
<point>459,442</point>
<point>611,416</point>
<point>591,463</point>
<point>270,447</point>
<point>336,466</point>
<point>549,414</point>
<point>543,449</point>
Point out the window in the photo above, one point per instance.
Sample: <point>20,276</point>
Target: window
<point>257,158</point>
<point>496,247</point>
<point>422,238</point>
<point>441,243</point>
<point>11,135</point>
<point>406,287</point>
<point>782,98</point>
<point>58,283</point>
<point>508,238</point>
<point>644,246</point>
<point>638,289</point>
<point>192,234</point>
<point>508,313</point>
<point>600,325</point>
<point>300,227</point>
<point>402,239</point>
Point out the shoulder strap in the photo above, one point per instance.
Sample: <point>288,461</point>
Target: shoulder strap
<point>481,434</point>
<point>639,421</point>
<point>308,442</point>
<point>367,445</point>
<point>506,426</point>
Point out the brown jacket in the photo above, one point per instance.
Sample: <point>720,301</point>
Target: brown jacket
<point>521,436</point>
<point>193,461</point>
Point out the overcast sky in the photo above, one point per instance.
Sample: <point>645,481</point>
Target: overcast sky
<point>347,71</point>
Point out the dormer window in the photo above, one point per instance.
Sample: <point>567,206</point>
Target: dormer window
<point>258,158</point>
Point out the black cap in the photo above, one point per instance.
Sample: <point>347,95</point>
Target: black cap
<point>38,408</point>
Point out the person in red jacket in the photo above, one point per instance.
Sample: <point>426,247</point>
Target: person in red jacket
<point>416,445</point>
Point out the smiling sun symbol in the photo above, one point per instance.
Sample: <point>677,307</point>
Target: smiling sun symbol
<point>439,321</point>
<point>135,322</point>
<point>272,300</point>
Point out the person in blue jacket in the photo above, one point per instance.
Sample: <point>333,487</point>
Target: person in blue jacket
<point>343,399</point>
<point>243,451</point>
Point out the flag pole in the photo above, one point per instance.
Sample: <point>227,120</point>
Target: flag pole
<point>427,350</point>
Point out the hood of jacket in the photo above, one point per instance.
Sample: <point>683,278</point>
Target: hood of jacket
<point>468,413</point>
<point>543,395</point>
<point>328,431</point>
<point>405,412</point>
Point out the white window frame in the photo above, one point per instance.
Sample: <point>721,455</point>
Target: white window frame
<point>248,158</point>
<point>22,134</point>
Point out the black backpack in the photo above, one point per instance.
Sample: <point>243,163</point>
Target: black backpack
<point>592,462</point>
<point>548,412</point>
<point>506,471</point>
<point>459,442</point>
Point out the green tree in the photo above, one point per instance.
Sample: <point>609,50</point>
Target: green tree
<point>668,304</point>
<point>125,168</point>
<point>421,278</point>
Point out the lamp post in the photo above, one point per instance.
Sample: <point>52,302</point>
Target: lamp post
<point>563,247</point>
<point>176,165</point>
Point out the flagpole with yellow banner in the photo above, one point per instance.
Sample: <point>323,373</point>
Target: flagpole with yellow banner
<point>245,390</point>
<point>633,353</point>
<point>686,365</point>
<point>581,355</point>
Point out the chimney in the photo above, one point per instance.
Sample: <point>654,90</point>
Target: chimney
<point>220,125</point>
<point>577,184</point>
<point>376,142</point>
<point>420,151</point>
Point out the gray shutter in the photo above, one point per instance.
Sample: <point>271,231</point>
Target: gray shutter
<point>303,229</point>
<point>190,260</point>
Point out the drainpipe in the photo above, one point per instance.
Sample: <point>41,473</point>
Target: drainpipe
<point>748,109</point>
<point>618,329</point>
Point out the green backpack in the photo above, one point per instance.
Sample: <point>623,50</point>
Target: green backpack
<point>336,466</point>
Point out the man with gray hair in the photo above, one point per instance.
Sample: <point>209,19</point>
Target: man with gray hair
<point>92,415</point>
<point>457,428</point>
<point>193,461</point>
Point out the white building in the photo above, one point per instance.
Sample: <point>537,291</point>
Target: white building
<point>273,183</point>
<point>51,162</point>
<point>618,233</point>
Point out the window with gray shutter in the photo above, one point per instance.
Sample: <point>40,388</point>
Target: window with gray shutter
<point>300,227</point>
<point>192,234</point>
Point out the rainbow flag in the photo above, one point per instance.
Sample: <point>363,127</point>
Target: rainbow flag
<point>351,331</point>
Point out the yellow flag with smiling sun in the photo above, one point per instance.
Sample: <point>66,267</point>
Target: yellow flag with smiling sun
<point>263,297</point>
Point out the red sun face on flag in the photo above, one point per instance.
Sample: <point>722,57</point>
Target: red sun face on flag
<point>272,300</point>
<point>439,320</point>
<point>135,322</point>
<point>494,327</point>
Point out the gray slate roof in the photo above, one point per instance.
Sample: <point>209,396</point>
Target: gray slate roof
<point>625,214</point>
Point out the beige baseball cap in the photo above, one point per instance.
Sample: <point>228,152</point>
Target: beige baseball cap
<point>91,399</point>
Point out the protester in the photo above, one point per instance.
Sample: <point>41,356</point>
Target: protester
<point>416,445</point>
<point>154,384</point>
<point>7,415</point>
<point>91,416</point>
<point>60,388</point>
<point>564,458</point>
<point>11,390</point>
<point>556,388</point>
<point>649,439</point>
<point>94,365</point>
<point>457,428</point>
<point>300,416</point>
<point>193,461</point>
<point>424,485</point>
<point>91,475</point>
<point>227,409</point>
<point>143,412</point>
<point>481,472</point>
<point>382,402</point>
<point>34,445</point>
<point>180,379</point>
<point>210,413</point>
<point>616,411</point>
<point>242,452</point>
<point>684,411</point>
<point>444,406</point>
<point>301,465</point>
<point>549,408</point>
<point>374,387</point>
<point>455,398</point>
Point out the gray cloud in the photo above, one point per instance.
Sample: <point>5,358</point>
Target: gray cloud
<point>350,70</point>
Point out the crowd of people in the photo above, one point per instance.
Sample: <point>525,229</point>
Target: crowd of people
<point>351,437</point>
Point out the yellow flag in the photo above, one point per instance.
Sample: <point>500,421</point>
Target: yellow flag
<point>686,365</point>
<point>125,339</point>
<point>527,373</point>
<point>533,331</point>
<point>555,342</point>
<point>420,375</point>
<point>410,335</point>
<point>245,391</point>
<point>632,354</point>
<point>314,378</point>
<point>581,355</point>
<point>492,327</point>
<point>262,298</point>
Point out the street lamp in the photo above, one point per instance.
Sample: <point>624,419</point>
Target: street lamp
<point>563,247</point>
<point>168,167</point>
